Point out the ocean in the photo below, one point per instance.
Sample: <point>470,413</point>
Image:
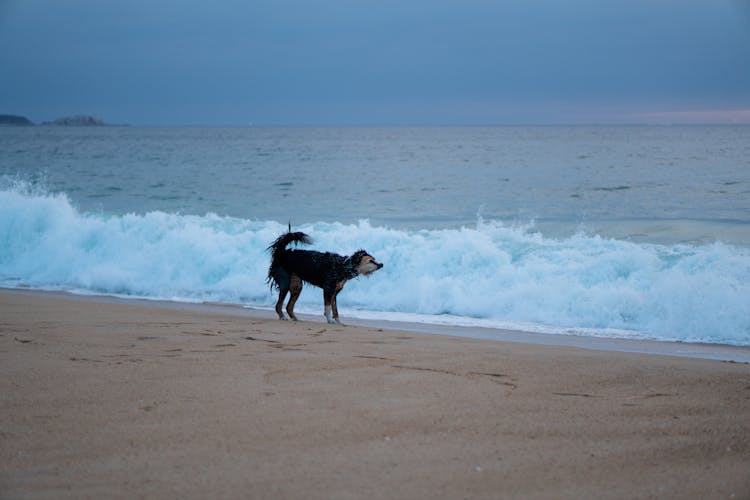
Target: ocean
<point>636,232</point>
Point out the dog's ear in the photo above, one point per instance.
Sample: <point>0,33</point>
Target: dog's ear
<point>358,255</point>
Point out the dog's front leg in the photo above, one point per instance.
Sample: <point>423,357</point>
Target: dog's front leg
<point>328,297</point>
<point>334,308</point>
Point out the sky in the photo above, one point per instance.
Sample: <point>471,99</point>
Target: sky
<point>377,62</point>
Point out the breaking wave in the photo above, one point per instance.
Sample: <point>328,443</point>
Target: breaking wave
<point>490,274</point>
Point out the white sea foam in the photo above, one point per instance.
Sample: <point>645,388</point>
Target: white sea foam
<point>487,275</point>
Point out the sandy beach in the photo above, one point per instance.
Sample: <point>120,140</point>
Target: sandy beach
<point>102,399</point>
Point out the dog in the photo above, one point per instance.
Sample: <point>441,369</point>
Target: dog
<point>329,271</point>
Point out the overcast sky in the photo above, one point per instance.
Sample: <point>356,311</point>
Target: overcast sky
<point>235,62</point>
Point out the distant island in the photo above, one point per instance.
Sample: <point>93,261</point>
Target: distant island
<point>77,121</point>
<point>15,121</point>
<point>66,121</point>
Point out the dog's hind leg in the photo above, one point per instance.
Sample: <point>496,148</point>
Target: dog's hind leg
<point>281,278</point>
<point>295,287</point>
<point>280,302</point>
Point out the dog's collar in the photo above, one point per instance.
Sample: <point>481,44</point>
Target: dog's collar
<point>352,270</point>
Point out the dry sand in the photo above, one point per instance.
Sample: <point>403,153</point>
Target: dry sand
<point>109,400</point>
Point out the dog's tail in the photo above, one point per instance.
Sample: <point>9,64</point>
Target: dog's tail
<point>277,248</point>
<point>285,240</point>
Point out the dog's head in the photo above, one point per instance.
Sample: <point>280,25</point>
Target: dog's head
<point>364,263</point>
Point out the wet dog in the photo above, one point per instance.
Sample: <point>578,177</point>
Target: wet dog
<point>329,271</point>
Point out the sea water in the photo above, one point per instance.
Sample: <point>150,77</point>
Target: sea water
<point>632,232</point>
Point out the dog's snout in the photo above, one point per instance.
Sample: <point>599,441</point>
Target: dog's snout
<point>379,264</point>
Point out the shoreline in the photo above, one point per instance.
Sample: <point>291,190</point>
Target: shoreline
<point>719,352</point>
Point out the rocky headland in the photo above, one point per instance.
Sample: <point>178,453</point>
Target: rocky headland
<point>15,121</point>
<point>66,121</point>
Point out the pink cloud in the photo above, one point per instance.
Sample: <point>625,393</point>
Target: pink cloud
<point>713,116</point>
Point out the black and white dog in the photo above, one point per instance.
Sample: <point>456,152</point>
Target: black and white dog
<point>329,271</point>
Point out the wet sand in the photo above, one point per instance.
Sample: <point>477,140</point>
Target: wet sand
<point>116,399</point>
